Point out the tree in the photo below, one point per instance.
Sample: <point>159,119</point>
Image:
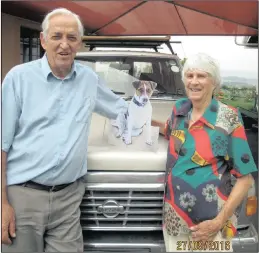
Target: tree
<point>225,87</point>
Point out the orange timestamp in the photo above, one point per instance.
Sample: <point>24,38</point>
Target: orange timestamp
<point>203,245</point>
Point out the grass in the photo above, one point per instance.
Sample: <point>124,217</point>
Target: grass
<point>240,102</point>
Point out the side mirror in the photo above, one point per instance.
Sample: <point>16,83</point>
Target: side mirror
<point>247,41</point>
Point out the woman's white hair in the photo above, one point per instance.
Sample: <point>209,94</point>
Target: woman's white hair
<point>206,63</point>
<point>61,11</point>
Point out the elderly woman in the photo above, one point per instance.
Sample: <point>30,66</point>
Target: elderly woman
<point>207,144</point>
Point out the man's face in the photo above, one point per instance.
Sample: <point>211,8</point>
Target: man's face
<point>61,43</point>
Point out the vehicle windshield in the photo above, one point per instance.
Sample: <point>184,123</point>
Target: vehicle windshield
<point>119,73</point>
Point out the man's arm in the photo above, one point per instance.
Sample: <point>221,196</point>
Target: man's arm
<point>11,110</point>
<point>109,104</point>
<point>3,164</point>
<point>8,216</point>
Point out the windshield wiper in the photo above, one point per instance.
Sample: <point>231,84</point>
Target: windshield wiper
<point>118,92</point>
<point>164,93</point>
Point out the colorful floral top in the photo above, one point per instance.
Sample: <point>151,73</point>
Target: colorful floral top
<point>200,162</point>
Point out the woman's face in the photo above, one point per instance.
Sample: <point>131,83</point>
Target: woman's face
<point>199,85</point>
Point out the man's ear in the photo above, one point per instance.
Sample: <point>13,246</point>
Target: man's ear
<point>153,85</point>
<point>136,84</point>
<point>43,41</point>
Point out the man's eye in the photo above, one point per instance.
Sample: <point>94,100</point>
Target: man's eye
<point>72,38</point>
<point>55,37</point>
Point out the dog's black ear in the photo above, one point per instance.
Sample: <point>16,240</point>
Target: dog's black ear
<point>153,85</point>
<point>136,84</point>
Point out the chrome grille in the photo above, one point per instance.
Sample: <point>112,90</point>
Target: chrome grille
<point>130,207</point>
<point>141,209</point>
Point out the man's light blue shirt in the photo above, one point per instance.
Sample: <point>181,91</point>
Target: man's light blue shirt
<point>46,120</point>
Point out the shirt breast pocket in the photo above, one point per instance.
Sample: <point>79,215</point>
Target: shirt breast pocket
<point>85,110</point>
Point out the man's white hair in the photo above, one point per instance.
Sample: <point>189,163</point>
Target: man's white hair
<point>203,62</point>
<point>61,11</point>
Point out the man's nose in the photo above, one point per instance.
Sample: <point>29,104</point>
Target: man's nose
<point>64,44</point>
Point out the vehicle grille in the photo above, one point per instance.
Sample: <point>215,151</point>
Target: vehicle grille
<point>134,210</point>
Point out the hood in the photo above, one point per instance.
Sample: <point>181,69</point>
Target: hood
<point>102,155</point>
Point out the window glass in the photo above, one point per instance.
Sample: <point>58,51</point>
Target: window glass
<point>119,74</point>
<point>30,47</point>
<point>142,67</point>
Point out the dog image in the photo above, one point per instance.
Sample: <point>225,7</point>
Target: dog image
<point>139,112</point>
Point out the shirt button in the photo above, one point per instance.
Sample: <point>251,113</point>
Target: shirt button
<point>190,172</point>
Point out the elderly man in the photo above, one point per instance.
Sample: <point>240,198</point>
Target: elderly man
<point>47,106</point>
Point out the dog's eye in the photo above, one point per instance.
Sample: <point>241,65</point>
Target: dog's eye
<point>148,90</point>
<point>140,90</point>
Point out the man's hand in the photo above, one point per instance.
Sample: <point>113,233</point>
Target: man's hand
<point>206,230</point>
<point>8,223</point>
<point>119,125</point>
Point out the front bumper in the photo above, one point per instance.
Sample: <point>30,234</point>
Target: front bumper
<point>124,241</point>
<point>246,240</point>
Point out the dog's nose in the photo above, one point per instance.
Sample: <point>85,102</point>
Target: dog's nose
<point>144,100</point>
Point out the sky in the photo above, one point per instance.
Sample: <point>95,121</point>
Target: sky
<point>233,59</point>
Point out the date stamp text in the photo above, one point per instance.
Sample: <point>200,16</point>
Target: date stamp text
<point>200,245</point>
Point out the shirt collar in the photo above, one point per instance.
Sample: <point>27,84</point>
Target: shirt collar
<point>209,116</point>
<point>47,70</point>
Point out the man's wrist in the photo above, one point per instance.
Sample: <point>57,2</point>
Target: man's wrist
<point>4,198</point>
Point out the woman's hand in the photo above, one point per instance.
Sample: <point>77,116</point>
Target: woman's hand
<point>206,230</point>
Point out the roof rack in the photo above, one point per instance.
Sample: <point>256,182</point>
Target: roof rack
<point>153,42</point>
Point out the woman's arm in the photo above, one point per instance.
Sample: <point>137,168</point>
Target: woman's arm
<point>241,169</point>
<point>207,229</point>
<point>160,124</point>
<point>238,193</point>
